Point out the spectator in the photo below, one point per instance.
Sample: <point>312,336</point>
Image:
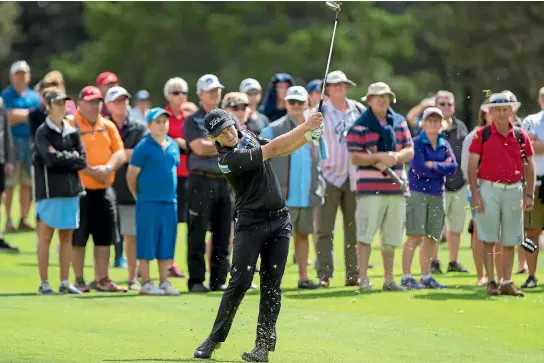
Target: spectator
<point>55,79</point>
<point>495,178</point>
<point>98,207</point>
<point>300,179</point>
<point>131,132</point>
<point>252,88</point>
<point>208,198</point>
<point>104,82</point>
<point>534,126</point>
<point>477,247</point>
<point>237,104</point>
<point>518,121</point>
<point>380,202</point>
<point>38,114</point>
<point>433,161</point>
<point>175,92</point>
<point>151,177</point>
<point>189,107</point>
<point>6,167</point>
<point>142,104</point>
<point>339,114</point>
<point>18,100</point>
<point>274,102</point>
<point>314,93</point>
<point>58,156</point>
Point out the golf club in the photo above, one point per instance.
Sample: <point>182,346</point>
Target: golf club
<point>336,8</point>
<point>392,174</point>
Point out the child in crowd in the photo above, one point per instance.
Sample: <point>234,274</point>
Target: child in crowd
<point>433,162</point>
<point>151,177</point>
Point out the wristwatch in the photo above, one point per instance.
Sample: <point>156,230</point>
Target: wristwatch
<point>109,168</point>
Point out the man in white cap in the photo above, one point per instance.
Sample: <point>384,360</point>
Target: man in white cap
<point>132,132</point>
<point>495,175</point>
<point>208,195</point>
<point>534,126</point>
<point>301,184</point>
<point>381,204</point>
<point>252,88</point>
<point>18,100</point>
<point>339,114</point>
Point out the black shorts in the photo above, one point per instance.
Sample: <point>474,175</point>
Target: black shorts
<point>182,203</point>
<point>2,178</point>
<point>97,218</point>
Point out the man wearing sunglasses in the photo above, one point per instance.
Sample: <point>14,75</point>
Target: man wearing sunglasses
<point>252,88</point>
<point>300,179</point>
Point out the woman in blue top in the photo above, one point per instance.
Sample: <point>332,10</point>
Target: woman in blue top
<point>433,161</point>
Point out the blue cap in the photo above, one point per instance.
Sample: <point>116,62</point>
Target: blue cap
<point>314,85</point>
<point>142,95</point>
<point>155,113</point>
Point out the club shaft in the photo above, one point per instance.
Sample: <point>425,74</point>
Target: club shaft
<point>392,174</point>
<point>328,63</point>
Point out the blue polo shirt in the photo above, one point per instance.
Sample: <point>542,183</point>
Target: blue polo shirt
<point>300,172</point>
<point>157,181</point>
<point>27,100</point>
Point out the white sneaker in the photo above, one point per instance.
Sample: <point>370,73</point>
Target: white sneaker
<point>365,285</point>
<point>166,286</point>
<point>149,289</point>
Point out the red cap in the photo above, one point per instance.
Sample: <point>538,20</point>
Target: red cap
<point>106,78</point>
<point>90,93</point>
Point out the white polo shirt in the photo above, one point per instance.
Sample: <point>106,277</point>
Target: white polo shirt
<point>534,125</point>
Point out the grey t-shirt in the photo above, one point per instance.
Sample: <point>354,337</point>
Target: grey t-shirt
<point>193,128</point>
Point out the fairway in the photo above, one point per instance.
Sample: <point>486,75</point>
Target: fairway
<point>338,324</point>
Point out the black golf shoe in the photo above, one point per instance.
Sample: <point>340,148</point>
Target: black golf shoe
<point>206,348</point>
<point>256,355</point>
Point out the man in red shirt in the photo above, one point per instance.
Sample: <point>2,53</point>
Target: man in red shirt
<point>501,156</point>
<point>175,92</point>
<point>104,82</point>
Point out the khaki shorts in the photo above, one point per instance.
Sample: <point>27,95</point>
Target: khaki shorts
<point>456,204</point>
<point>302,220</point>
<point>127,220</point>
<point>383,213</point>
<point>20,176</point>
<point>537,214</point>
<point>502,217</point>
<point>425,215</point>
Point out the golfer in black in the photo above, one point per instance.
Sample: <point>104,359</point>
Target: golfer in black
<point>262,227</point>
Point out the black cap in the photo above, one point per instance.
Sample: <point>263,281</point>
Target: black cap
<point>216,120</point>
<point>55,96</point>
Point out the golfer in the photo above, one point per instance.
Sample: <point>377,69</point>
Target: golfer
<point>262,227</point>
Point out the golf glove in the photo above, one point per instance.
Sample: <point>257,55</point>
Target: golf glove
<point>313,135</point>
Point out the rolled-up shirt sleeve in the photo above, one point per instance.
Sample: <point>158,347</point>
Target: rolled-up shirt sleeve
<point>240,160</point>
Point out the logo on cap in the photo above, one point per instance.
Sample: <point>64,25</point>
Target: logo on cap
<point>217,120</point>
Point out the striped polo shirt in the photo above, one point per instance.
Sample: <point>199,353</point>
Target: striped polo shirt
<point>369,179</point>
<point>337,167</point>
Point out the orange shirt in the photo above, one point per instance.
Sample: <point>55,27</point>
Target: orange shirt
<point>101,140</point>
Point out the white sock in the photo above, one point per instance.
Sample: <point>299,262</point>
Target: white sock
<point>65,283</point>
<point>406,276</point>
<point>505,282</point>
<point>426,277</point>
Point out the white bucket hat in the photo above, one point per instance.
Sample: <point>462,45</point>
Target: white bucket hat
<point>338,77</point>
<point>501,100</point>
<point>378,89</point>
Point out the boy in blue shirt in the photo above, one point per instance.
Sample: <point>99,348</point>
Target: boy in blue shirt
<point>433,161</point>
<point>152,180</point>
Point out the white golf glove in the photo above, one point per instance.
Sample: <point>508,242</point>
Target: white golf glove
<point>314,135</point>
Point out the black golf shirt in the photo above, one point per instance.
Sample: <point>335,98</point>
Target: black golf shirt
<point>255,184</point>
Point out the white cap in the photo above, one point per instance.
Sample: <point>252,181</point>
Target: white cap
<point>114,93</point>
<point>298,93</point>
<point>432,111</point>
<point>175,82</point>
<point>208,82</point>
<point>19,66</point>
<point>338,77</point>
<point>250,84</point>
<point>541,91</point>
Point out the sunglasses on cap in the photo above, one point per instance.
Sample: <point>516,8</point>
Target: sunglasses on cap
<point>445,104</point>
<point>295,102</point>
<point>177,93</point>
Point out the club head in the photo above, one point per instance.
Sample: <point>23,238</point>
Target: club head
<point>334,5</point>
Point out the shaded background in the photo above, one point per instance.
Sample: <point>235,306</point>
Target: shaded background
<point>416,47</point>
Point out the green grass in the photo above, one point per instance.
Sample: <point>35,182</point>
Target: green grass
<point>338,324</point>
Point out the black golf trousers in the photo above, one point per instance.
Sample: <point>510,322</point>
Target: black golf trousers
<point>266,234</point>
<point>209,207</point>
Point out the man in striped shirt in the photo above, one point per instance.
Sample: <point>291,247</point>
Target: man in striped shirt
<point>380,201</point>
<point>339,114</point>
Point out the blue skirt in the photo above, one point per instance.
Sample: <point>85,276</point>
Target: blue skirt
<point>59,213</point>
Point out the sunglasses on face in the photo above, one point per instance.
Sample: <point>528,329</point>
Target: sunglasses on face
<point>177,93</point>
<point>239,108</point>
<point>60,103</point>
<point>445,104</point>
<point>295,102</point>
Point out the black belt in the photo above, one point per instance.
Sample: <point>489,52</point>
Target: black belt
<point>203,173</point>
<point>265,214</point>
